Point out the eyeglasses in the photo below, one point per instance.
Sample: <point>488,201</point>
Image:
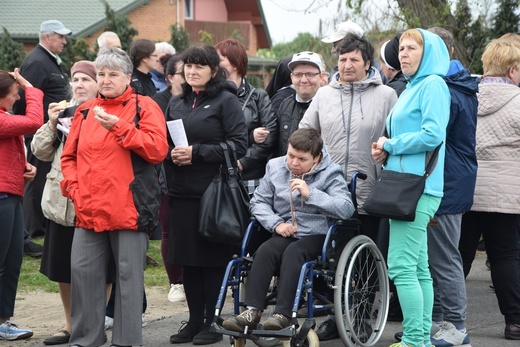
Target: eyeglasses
<point>306,74</point>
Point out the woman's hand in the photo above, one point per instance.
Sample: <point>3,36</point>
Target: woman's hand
<point>53,112</point>
<point>260,134</point>
<point>30,172</point>
<point>182,155</point>
<point>301,186</point>
<point>106,120</point>
<point>285,229</point>
<point>22,82</point>
<point>378,153</point>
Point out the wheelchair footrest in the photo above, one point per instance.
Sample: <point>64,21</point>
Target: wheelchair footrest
<point>286,333</point>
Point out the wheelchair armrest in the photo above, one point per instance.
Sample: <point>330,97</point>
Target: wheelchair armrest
<point>338,235</point>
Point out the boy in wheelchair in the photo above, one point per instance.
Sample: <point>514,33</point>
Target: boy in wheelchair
<point>300,196</point>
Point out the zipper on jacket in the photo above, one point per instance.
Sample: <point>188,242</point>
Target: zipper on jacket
<point>195,100</point>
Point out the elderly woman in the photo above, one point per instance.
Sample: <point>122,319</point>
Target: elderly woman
<point>350,114</point>
<point>261,122</point>
<point>47,145</point>
<point>495,213</point>
<point>15,172</point>
<point>211,114</point>
<point>416,126</point>
<point>109,173</point>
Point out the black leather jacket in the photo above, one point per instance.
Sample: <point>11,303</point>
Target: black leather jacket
<point>289,115</point>
<point>257,113</point>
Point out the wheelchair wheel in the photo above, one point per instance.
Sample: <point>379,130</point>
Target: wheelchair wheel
<point>361,293</point>
<point>311,340</point>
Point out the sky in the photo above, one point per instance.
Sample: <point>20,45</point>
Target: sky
<point>285,19</point>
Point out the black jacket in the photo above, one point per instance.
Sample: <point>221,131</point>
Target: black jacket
<point>142,83</point>
<point>257,113</point>
<point>207,121</point>
<point>289,115</point>
<point>41,69</point>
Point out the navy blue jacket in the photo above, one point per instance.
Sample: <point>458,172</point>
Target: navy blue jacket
<point>460,166</point>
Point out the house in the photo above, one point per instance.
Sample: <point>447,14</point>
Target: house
<point>152,18</point>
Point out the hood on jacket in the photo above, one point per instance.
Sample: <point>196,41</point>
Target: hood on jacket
<point>494,96</point>
<point>322,165</point>
<point>373,78</point>
<point>463,82</point>
<point>436,61</point>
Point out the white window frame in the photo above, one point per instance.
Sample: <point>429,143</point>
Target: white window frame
<point>188,9</point>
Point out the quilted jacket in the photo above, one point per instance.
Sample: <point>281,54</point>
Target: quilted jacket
<point>498,148</point>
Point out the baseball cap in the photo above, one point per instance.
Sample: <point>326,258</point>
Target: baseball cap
<point>342,30</point>
<point>54,26</point>
<point>306,58</point>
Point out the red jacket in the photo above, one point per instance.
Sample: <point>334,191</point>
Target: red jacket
<point>12,151</point>
<point>97,164</point>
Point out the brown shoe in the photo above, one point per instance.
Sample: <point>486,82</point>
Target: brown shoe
<point>277,322</point>
<point>249,318</point>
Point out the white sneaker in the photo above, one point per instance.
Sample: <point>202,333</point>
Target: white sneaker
<point>10,331</point>
<point>109,322</point>
<point>176,293</point>
<point>449,336</point>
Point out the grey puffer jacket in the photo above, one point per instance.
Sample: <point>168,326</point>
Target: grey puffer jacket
<point>498,148</point>
<point>329,198</point>
<point>349,117</point>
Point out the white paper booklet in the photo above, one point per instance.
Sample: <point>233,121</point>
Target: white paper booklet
<point>177,133</point>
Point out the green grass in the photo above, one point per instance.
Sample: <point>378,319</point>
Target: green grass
<point>32,280</point>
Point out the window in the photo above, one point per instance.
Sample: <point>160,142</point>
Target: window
<point>188,9</point>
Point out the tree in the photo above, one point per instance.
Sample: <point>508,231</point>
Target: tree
<point>121,25</point>
<point>506,17</point>
<point>11,52</point>
<point>179,37</point>
<point>81,51</point>
<point>206,37</point>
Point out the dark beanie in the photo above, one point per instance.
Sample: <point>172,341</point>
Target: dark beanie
<point>392,53</point>
<point>85,66</point>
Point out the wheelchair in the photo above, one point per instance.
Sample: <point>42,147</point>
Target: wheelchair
<point>350,265</point>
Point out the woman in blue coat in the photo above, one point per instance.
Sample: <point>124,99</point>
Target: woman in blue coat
<point>415,126</point>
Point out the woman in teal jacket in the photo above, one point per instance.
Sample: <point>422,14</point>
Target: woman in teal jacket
<point>415,126</point>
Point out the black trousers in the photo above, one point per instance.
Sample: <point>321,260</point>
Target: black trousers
<point>501,234</point>
<point>286,255</point>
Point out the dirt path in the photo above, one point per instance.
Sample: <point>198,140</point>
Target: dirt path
<point>43,314</point>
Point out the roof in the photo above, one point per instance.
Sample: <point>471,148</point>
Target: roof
<point>22,18</point>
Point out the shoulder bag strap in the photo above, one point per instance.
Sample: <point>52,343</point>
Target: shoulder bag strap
<point>248,97</point>
<point>230,166</point>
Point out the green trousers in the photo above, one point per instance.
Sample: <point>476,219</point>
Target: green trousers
<point>408,268</point>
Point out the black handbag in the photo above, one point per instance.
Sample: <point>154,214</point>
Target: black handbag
<point>224,206</point>
<point>396,194</point>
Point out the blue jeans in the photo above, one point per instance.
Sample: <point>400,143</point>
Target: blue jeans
<point>408,268</point>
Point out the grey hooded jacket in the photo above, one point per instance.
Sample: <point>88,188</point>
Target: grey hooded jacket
<point>349,117</point>
<point>329,198</point>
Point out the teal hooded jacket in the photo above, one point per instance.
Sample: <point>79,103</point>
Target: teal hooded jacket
<point>417,123</point>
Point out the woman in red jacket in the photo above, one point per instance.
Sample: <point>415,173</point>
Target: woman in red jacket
<point>15,171</point>
<point>109,172</point>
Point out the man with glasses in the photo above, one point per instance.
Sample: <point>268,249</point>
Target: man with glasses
<point>306,74</point>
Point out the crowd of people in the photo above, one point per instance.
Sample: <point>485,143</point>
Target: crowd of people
<point>98,175</point>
